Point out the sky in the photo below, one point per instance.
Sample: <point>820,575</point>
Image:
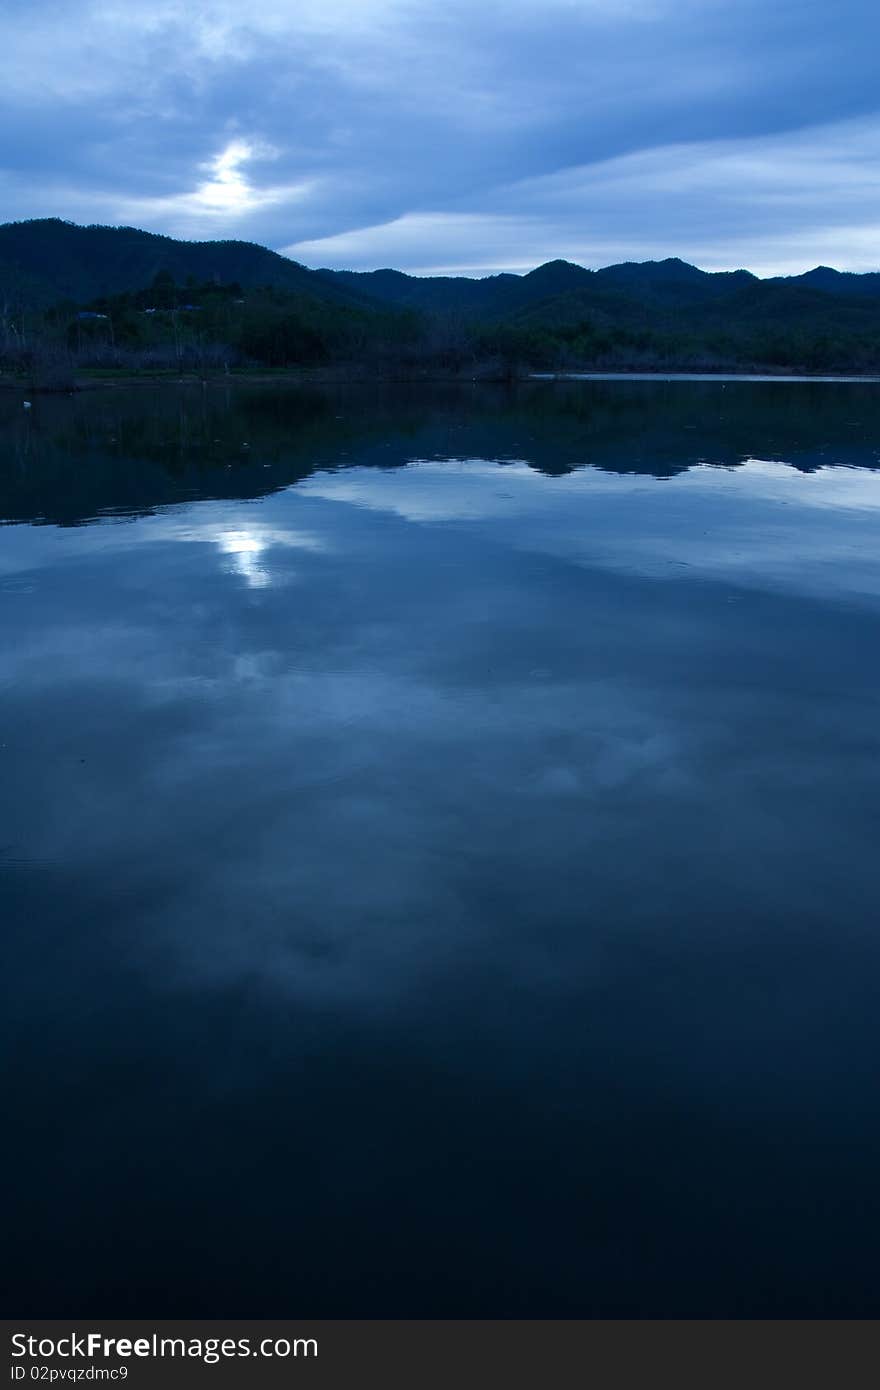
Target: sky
<point>465,138</point>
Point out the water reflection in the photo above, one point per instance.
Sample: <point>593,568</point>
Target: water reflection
<point>125,451</point>
<point>438,877</point>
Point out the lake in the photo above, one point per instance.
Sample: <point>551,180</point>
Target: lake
<point>438,849</point>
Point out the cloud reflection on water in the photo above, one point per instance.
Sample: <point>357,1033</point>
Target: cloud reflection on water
<point>455,865</point>
<point>505,670</point>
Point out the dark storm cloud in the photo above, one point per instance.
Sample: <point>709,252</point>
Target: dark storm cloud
<point>369,132</point>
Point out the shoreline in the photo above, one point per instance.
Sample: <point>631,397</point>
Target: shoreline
<point>305,376</point>
<point>725,376</point>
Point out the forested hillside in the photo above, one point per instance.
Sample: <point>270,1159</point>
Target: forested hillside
<point>49,260</point>
<point>77,297</point>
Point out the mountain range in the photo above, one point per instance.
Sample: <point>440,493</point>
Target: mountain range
<point>556,314</point>
<point>48,259</point>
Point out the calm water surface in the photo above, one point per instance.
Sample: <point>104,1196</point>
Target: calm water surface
<point>438,850</point>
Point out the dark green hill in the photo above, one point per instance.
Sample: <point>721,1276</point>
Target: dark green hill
<point>485,298</point>
<point>837,282</point>
<point>47,260</point>
<point>629,287</point>
<point>435,294</point>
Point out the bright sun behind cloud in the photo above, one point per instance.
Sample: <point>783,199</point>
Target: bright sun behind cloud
<point>228,193</point>
<point>228,189</point>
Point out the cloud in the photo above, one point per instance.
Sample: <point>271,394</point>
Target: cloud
<point>785,200</point>
<point>225,196</point>
<point>451,136</point>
